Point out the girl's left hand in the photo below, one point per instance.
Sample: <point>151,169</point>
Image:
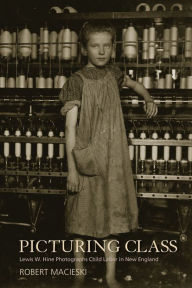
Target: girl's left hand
<point>150,109</point>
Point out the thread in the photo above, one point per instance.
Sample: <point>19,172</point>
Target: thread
<point>168,81</point>
<point>11,82</point>
<point>34,46</point>
<point>49,82</point>
<point>74,45</point>
<point>166,43</point>
<point>24,41</point>
<point>131,147</point>
<point>143,147</point>
<point>166,149</point>
<point>189,82</point>
<point>174,41</point>
<point>6,44</point>
<point>17,144</point>
<point>61,146</point>
<point>154,147</point>
<point>50,146</point>
<point>161,83</point>
<point>147,82</point>
<point>130,47</point>
<point>28,147</point>
<point>66,49</point>
<point>2,82</point>
<point>39,145</point>
<point>145,44</point>
<point>6,144</point>
<point>53,44</point>
<point>183,82</point>
<point>188,42</point>
<point>152,43</point>
<point>178,148</point>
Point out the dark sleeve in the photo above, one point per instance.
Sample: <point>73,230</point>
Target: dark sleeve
<point>118,74</point>
<point>71,92</point>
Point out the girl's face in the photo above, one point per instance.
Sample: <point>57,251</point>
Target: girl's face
<point>99,49</point>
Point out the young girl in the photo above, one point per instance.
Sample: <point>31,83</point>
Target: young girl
<point>103,202</point>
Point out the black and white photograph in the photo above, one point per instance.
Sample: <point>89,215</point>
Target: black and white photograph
<point>96,144</point>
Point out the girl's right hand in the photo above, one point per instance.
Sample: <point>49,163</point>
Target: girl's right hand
<point>73,181</point>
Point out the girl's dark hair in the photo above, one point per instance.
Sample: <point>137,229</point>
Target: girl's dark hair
<point>95,26</point>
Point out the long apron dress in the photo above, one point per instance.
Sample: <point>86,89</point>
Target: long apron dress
<point>106,204</point>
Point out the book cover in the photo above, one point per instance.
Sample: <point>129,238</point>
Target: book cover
<point>34,248</point>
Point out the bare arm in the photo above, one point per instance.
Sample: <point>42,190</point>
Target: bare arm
<point>150,106</point>
<point>70,134</point>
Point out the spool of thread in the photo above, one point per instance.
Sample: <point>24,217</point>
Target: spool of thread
<point>152,44</point>
<point>131,147</point>
<point>61,81</point>
<point>21,83</point>
<point>17,144</point>
<point>166,149</point>
<point>140,79</point>
<point>14,37</point>
<point>183,82</point>
<point>147,82</point>
<point>28,147</point>
<point>143,147</point>
<point>74,45</point>
<point>50,146</point>
<point>49,82</point>
<point>174,77</point>
<point>161,83</point>
<point>60,45</point>
<point>24,42</point>
<point>2,82</point>
<point>179,148</point>
<point>39,145</point>
<point>123,40</point>
<point>166,43</point>
<point>189,149</point>
<point>6,145</point>
<point>130,47</point>
<point>34,46</point>
<point>45,41</point>
<point>143,7</point>
<point>41,41</point>
<point>6,44</point>
<point>53,44</point>
<point>66,50</point>
<point>29,82</point>
<point>174,41</point>
<point>41,83</point>
<point>168,81</point>
<point>189,82</point>
<point>11,82</point>
<point>145,50</point>
<point>61,146</point>
<point>188,42</point>
<point>154,147</point>
<point>177,7</point>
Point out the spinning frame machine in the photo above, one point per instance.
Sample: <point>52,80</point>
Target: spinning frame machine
<point>33,160</point>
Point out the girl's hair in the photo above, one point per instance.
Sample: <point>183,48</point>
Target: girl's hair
<point>94,26</point>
